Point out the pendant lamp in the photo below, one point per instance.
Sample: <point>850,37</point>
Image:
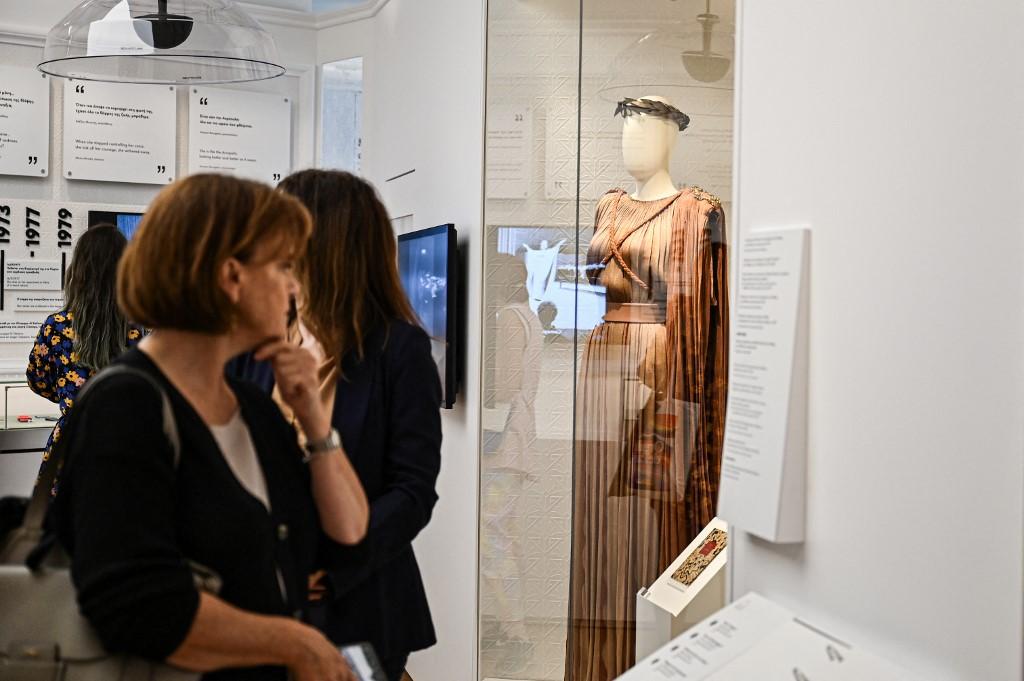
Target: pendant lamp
<point>160,41</point>
<point>689,63</point>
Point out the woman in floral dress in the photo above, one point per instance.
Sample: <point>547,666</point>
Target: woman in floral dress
<point>88,332</point>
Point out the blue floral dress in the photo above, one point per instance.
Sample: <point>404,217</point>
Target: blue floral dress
<point>54,371</point>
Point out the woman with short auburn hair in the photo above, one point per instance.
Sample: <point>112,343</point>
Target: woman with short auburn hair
<point>211,272</point>
<point>172,281</point>
<point>381,385</point>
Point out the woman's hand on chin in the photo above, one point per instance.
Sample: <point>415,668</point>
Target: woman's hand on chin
<point>298,382</point>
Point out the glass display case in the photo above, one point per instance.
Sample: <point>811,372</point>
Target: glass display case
<point>24,409</point>
<point>606,307</point>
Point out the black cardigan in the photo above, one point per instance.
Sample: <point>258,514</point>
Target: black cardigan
<point>130,521</point>
<point>387,410</point>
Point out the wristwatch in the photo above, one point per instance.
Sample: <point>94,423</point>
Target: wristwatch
<point>315,448</point>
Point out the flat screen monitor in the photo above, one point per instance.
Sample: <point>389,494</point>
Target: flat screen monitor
<point>126,223</point>
<point>428,264</point>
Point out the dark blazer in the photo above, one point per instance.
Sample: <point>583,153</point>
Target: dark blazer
<point>387,410</point>
<point>130,520</point>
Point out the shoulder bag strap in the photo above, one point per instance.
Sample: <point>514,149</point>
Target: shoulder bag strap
<point>35,514</point>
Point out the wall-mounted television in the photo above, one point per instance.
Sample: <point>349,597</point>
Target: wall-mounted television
<point>429,267</point>
<point>126,223</point>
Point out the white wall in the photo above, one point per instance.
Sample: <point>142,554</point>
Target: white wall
<point>423,73</point>
<point>894,130</point>
<point>23,27</point>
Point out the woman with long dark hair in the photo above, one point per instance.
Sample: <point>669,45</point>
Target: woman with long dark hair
<point>381,385</point>
<point>88,333</point>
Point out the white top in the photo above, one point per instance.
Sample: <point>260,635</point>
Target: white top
<point>238,450</point>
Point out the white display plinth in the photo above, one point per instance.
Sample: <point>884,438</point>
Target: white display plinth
<point>669,606</point>
<point>756,639</point>
<point>764,458</point>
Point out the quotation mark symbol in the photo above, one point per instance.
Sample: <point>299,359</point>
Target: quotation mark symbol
<point>33,160</point>
<point>204,101</point>
<point>80,89</point>
<point>277,177</point>
<point>161,169</point>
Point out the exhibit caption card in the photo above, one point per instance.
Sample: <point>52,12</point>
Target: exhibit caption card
<point>24,122</point>
<point>754,638</point>
<point>246,134</point>
<point>763,462</point>
<point>119,132</point>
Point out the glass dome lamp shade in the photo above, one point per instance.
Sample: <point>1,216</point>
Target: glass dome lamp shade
<point>685,63</point>
<point>705,64</point>
<point>160,41</point>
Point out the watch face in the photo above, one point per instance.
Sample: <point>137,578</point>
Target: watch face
<point>701,557</point>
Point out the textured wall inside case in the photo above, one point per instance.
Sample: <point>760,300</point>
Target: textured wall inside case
<point>553,149</point>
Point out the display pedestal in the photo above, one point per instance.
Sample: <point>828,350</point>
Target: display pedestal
<point>670,606</point>
<point>656,626</point>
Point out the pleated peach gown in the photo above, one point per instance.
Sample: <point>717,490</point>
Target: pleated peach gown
<point>650,413</point>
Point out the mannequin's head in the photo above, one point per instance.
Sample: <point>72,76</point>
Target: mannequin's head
<point>647,143</point>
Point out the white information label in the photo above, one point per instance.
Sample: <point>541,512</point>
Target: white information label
<point>796,651</point>
<point>713,643</point>
<point>117,132</point>
<point>754,638</point>
<point>32,275</point>
<point>19,331</point>
<point>762,484</point>
<point>509,154</point>
<point>38,302</point>
<point>24,122</point>
<point>247,134</point>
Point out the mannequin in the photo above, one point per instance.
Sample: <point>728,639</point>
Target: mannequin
<point>647,144</point>
<point>650,411</point>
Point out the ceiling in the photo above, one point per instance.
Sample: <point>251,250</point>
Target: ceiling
<point>316,6</point>
<point>330,5</point>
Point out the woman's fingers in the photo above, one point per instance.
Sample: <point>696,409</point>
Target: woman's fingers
<point>317,588</point>
<point>294,368</point>
<point>271,350</point>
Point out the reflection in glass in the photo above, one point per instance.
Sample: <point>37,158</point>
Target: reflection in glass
<point>611,328</point>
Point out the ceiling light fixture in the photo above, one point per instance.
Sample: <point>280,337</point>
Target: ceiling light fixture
<point>160,41</point>
<point>705,64</point>
<point>689,63</point>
